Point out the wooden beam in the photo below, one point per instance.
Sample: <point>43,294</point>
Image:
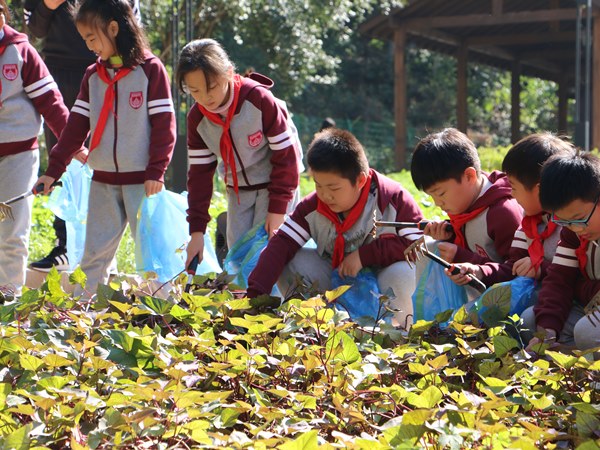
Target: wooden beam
<point>518,39</point>
<point>554,25</point>
<point>461,88</point>
<point>563,104</point>
<point>515,100</point>
<point>595,119</point>
<point>497,7</point>
<point>400,97</point>
<point>485,20</point>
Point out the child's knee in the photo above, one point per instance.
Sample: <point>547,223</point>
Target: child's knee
<point>587,332</point>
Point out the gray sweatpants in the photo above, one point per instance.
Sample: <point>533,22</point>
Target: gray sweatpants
<point>580,330</point>
<point>111,208</point>
<point>399,277</point>
<point>251,210</point>
<point>17,175</point>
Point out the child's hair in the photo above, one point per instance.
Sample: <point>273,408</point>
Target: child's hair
<point>337,151</point>
<point>328,122</point>
<point>566,178</point>
<point>206,55</point>
<point>443,156</point>
<point>524,160</point>
<point>130,41</point>
<point>4,9</point>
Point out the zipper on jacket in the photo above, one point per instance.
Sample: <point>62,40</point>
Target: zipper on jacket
<point>115,125</point>
<point>242,168</point>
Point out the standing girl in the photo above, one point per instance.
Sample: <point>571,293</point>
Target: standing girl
<point>27,92</point>
<point>125,100</point>
<point>238,120</point>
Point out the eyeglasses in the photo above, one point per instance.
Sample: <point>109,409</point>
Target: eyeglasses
<point>578,222</point>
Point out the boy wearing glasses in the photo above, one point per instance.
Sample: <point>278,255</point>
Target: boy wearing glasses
<point>568,308</point>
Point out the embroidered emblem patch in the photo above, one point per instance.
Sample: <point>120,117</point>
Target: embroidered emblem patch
<point>255,139</point>
<point>10,71</point>
<point>481,251</point>
<point>136,99</point>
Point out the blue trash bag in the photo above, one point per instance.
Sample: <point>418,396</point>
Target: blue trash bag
<point>245,249</point>
<point>70,203</point>
<point>436,293</point>
<point>162,235</point>
<point>504,299</point>
<point>362,299</point>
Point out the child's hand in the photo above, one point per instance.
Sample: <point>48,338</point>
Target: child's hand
<point>82,155</point>
<point>351,265</point>
<point>437,230</point>
<point>467,271</point>
<point>447,250</point>
<point>46,181</point>
<point>272,222</point>
<point>548,336</point>
<point>195,247</point>
<point>523,268</point>
<point>152,187</point>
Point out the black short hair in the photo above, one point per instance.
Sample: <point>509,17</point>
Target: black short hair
<point>443,156</point>
<point>524,160</point>
<point>566,178</point>
<point>337,151</point>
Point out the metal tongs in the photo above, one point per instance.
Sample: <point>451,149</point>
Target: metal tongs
<point>420,225</point>
<point>419,247</point>
<point>6,209</point>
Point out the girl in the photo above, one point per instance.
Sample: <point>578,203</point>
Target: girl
<point>125,101</point>
<point>237,119</point>
<point>27,92</point>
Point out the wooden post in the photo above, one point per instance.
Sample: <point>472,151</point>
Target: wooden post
<point>461,88</point>
<point>563,104</point>
<point>400,97</point>
<point>515,99</point>
<point>595,119</point>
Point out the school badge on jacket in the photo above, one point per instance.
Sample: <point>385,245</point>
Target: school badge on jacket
<point>10,71</point>
<point>255,139</point>
<point>136,99</point>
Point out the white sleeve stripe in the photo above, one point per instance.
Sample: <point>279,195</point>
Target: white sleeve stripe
<point>413,236</point>
<point>49,87</point>
<point>566,251</point>
<point>291,233</point>
<point>519,244</point>
<point>152,111</point>
<point>565,262</point>
<point>83,104</point>
<point>282,145</point>
<point>285,135</point>
<point>520,234</point>
<point>200,152</point>
<point>41,82</point>
<point>407,231</point>
<point>200,161</point>
<point>298,229</point>
<point>83,112</point>
<point>160,102</point>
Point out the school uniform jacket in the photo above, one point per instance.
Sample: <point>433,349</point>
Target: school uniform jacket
<point>139,137</point>
<point>520,245</point>
<point>387,201</point>
<point>28,92</point>
<point>489,235</point>
<point>265,144</point>
<point>565,282</point>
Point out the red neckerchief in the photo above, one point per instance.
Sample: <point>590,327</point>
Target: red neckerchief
<point>109,99</point>
<point>342,227</point>
<point>530,227</point>
<point>2,48</point>
<point>581,254</point>
<point>459,220</point>
<point>226,145</point>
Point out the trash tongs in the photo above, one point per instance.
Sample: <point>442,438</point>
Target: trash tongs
<point>191,271</point>
<point>6,209</point>
<point>420,225</point>
<point>419,247</point>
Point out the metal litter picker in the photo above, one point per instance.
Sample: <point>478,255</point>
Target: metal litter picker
<point>6,209</point>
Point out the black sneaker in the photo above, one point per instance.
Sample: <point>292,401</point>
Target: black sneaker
<point>56,258</point>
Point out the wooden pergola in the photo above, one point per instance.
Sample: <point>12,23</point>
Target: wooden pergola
<point>536,38</point>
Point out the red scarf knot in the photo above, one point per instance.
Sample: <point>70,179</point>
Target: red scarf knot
<point>581,253</point>
<point>458,221</point>
<point>530,228</point>
<point>342,226</point>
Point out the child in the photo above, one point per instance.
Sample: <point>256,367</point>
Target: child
<point>238,120</point>
<point>340,216</point>
<point>568,306</point>
<point>125,100</point>
<point>483,215</point>
<point>27,92</point>
<point>535,241</point>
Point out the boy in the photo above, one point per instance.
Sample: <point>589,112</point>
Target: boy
<point>339,217</point>
<point>483,215</point>
<point>568,307</point>
<point>535,241</point>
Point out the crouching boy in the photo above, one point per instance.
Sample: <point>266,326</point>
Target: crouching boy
<point>339,216</point>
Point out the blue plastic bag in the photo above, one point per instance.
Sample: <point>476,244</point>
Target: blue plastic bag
<point>243,255</point>
<point>436,293</point>
<point>70,203</point>
<point>162,234</point>
<point>505,299</point>
<point>362,299</point>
